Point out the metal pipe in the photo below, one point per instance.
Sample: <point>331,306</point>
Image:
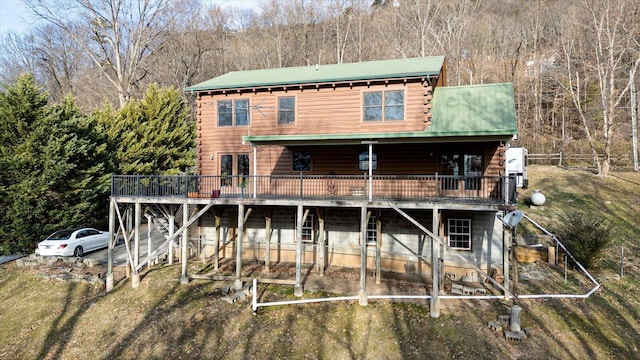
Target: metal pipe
<point>564,248</point>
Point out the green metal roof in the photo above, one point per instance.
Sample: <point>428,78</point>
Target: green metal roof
<point>370,70</point>
<point>473,110</point>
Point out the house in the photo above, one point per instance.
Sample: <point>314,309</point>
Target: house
<point>374,165</point>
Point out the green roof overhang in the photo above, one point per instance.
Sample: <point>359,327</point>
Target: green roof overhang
<point>380,138</point>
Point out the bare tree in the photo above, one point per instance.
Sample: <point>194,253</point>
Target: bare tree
<point>116,34</point>
<point>614,26</point>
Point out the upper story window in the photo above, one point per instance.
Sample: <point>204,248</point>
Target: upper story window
<point>233,112</point>
<point>384,105</point>
<point>286,110</point>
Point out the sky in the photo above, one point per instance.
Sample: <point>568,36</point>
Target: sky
<point>15,17</point>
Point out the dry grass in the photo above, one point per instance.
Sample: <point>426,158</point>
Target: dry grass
<point>43,319</point>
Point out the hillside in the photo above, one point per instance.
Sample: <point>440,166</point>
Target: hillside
<point>163,319</point>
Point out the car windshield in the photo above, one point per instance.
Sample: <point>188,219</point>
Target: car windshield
<point>61,235</point>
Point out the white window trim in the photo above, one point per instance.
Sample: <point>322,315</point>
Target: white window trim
<point>295,110</point>
<point>383,91</point>
<point>372,231</point>
<point>234,113</point>
<point>309,225</point>
<point>449,233</point>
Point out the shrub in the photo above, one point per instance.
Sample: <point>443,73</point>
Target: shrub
<point>585,235</point>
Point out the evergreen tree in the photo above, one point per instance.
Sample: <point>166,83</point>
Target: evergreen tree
<point>53,173</point>
<point>153,135</point>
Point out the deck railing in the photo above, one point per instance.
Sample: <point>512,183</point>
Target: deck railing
<point>385,187</point>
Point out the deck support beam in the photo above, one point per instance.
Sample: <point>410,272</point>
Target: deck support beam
<point>434,308</point>
<point>364,220</point>
<point>378,250</point>
<point>216,250</point>
<point>112,242</point>
<point>322,253</point>
<point>135,276</point>
<point>238,282</point>
<point>267,251</point>
<point>506,242</point>
<point>300,217</point>
<point>184,279</point>
<point>172,230</point>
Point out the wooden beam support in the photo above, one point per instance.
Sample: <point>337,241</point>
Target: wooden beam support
<point>297,289</point>
<point>322,249</point>
<point>364,220</point>
<point>238,282</point>
<point>434,308</point>
<point>184,279</point>
<point>267,251</point>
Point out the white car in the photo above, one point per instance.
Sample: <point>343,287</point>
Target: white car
<point>73,242</point>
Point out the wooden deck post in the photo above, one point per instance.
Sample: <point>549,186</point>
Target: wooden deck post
<point>216,250</point>
<point>434,308</point>
<point>322,260</point>
<point>378,250</point>
<point>172,230</point>
<point>184,279</point>
<point>135,276</point>
<point>506,242</point>
<point>298,290</point>
<point>364,217</point>
<point>238,282</point>
<point>112,242</point>
<point>267,240</point>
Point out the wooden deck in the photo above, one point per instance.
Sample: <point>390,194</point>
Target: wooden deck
<point>424,188</point>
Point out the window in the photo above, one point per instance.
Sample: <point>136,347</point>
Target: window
<point>243,169</point>
<point>363,161</point>
<point>460,234</point>
<point>384,105</point>
<point>230,111</point>
<point>241,109</point>
<point>225,113</point>
<point>472,171</point>
<point>372,230</point>
<point>226,170</point>
<point>308,231</point>
<point>301,161</point>
<point>452,164</point>
<point>286,110</point>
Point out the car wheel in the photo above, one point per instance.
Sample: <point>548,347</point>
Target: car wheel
<point>77,252</point>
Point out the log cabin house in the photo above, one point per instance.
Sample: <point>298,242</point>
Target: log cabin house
<point>373,165</point>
